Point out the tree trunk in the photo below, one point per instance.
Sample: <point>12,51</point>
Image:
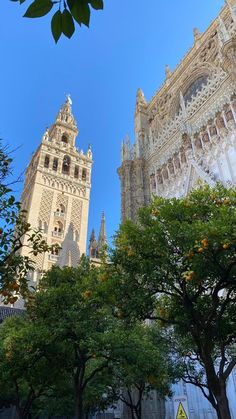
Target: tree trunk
<point>223,411</point>
<point>79,413</point>
<point>138,414</point>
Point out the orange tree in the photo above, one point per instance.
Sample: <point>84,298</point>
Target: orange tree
<point>145,364</point>
<point>68,303</point>
<point>71,331</point>
<point>178,265</point>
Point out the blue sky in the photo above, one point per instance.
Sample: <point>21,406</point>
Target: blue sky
<point>126,47</point>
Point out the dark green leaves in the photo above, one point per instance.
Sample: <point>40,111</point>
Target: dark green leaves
<point>80,11</point>
<point>68,26</point>
<point>63,21</point>
<point>38,8</point>
<point>56,25</point>
<point>96,4</point>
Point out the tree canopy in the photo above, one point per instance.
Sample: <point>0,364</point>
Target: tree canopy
<point>71,329</point>
<point>177,265</point>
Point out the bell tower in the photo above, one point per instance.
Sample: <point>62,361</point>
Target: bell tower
<point>57,191</point>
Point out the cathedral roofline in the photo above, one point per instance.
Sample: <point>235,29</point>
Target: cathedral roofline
<point>187,58</point>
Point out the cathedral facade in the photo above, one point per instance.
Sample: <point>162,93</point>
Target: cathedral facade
<point>187,131</point>
<point>185,134</point>
<point>56,192</point>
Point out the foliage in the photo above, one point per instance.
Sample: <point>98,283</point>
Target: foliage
<point>15,232</point>
<point>68,12</point>
<point>69,305</point>
<point>25,362</point>
<point>146,364</point>
<point>178,266</point>
<point>71,331</point>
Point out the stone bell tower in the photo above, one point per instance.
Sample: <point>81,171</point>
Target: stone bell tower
<point>57,191</point>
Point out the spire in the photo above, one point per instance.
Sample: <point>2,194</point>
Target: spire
<point>92,245</point>
<point>168,71</point>
<point>92,237</point>
<point>141,97</point>
<point>102,238</point>
<point>140,100</point>
<point>65,116</point>
<point>196,34</point>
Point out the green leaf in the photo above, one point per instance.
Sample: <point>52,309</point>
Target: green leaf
<point>71,3</point>
<point>96,4</point>
<point>68,26</point>
<point>38,8</point>
<point>80,11</point>
<point>56,25</point>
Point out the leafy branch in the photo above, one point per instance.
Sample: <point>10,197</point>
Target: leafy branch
<point>67,14</point>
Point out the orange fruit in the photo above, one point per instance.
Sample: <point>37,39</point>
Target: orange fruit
<point>200,250</point>
<point>87,294</point>
<point>204,242</point>
<point>226,246</point>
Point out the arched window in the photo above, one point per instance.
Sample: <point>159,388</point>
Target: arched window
<point>60,212</point>
<point>84,174</point>
<point>55,252</point>
<point>76,172</point>
<point>194,88</point>
<point>66,165</point>
<point>62,209</point>
<point>55,164</point>
<point>46,161</point>
<point>58,229</point>
<point>64,139</point>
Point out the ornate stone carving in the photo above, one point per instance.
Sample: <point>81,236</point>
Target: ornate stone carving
<point>46,205</point>
<point>189,128</point>
<point>76,213</point>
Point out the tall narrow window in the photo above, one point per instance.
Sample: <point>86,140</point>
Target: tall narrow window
<point>84,174</point>
<point>76,172</point>
<point>55,164</point>
<point>66,165</point>
<point>46,161</point>
<point>64,139</point>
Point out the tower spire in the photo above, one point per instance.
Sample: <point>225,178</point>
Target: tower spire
<point>65,116</point>
<point>102,238</point>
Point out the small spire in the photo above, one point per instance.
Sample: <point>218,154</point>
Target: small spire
<point>140,98</point>
<point>46,135</point>
<point>89,153</point>
<point>196,34</point>
<point>168,71</point>
<point>102,238</point>
<point>92,236</point>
